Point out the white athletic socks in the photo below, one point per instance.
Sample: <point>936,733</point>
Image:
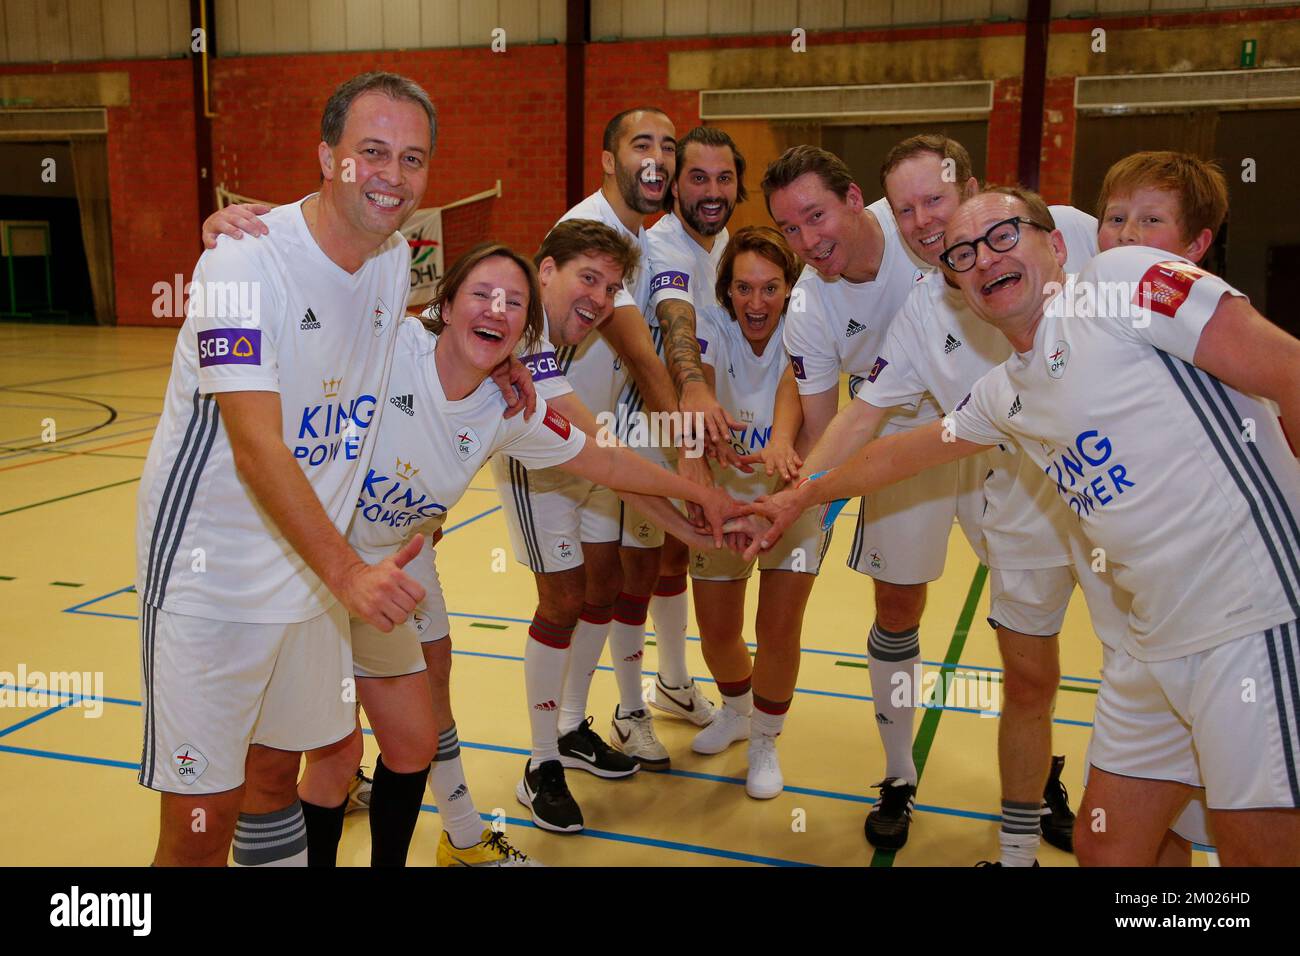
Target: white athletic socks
<point>278,838</point>
<point>668,608</point>
<point>768,718</point>
<point>892,653</point>
<point>451,793</point>
<point>627,648</point>
<point>584,654</point>
<point>738,696</point>
<point>1021,832</point>
<point>545,655</point>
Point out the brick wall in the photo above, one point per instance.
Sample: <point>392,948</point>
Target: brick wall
<point>500,116</point>
<point>153,198</point>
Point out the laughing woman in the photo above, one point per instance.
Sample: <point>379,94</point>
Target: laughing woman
<point>745,362</point>
<point>428,451</point>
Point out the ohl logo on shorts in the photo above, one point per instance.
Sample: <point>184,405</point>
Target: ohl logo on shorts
<point>875,560</point>
<point>643,531</point>
<point>563,550</point>
<point>189,763</point>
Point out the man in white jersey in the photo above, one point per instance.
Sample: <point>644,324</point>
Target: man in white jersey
<point>638,161</point>
<point>683,250</point>
<point>936,346</point>
<point>858,274</point>
<point>562,525</point>
<point>1133,389</point>
<point>279,374</point>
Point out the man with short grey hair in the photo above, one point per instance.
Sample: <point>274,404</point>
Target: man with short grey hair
<point>245,578</point>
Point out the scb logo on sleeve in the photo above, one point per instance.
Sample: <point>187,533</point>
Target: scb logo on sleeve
<point>670,280</point>
<point>230,347</point>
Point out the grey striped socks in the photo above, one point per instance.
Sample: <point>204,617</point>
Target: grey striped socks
<point>1020,834</point>
<point>278,838</point>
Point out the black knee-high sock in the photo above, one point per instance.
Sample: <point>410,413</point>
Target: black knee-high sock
<point>324,830</point>
<point>394,809</point>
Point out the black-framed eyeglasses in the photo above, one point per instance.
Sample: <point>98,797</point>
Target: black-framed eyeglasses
<point>1001,237</point>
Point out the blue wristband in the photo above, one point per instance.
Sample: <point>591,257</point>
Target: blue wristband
<point>833,508</point>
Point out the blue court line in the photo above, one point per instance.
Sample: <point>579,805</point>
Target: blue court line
<point>429,808</point>
<point>481,514</point>
<point>72,758</point>
<point>79,609</point>
<point>803,650</point>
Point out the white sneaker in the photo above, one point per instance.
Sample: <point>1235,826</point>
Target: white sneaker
<point>685,702</point>
<point>635,736</point>
<point>764,780</point>
<point>728,726</point>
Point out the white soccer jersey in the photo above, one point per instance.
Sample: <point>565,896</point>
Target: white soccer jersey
<point>936,344</point>
<point>839,326</point>
<point>427,455</point>
<point>746,386</point>
<point>680,268</point>
<point>1196,521</point>
<point>273,314</point>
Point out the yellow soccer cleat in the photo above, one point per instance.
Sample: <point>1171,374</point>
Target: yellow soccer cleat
<point>492,850</point>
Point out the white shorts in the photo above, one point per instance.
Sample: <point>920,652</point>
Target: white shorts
<point>1225,716</point>
<point>1030,601</point>
<point>399,652</point>
<point>549,513</point>
<point>902,533</point>
<point>1193,824</point>
<point>800,549</point>
<point>213,688</point>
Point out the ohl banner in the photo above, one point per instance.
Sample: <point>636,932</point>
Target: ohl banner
<point>424,233</point>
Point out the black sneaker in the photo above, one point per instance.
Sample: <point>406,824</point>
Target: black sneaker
<point>993,863</point>
<point>544,792</point>
<point>888,822</point>
<point>582,749</point>
<point>1058,818</point>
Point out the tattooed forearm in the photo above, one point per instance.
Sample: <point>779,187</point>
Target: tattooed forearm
<point>681,347</point>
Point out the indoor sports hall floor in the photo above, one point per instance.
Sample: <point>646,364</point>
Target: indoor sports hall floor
<point>69,794</point>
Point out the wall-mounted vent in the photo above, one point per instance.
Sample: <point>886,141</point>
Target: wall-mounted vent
<point>839,102</point>
<point>16,124</point>
<point>1163,91</point>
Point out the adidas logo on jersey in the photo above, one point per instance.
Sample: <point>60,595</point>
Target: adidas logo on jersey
<point>951,345</point>
<point>405,402</point>
<point>309,321</point>
<point>854,328</point>
<point>1015,408</point>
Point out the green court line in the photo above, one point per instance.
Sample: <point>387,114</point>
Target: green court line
<point>50,501</point>
<point>930,721</point>
<point>5,577</point>
<point>495,627</point>
<point>852,664</point>
<point>65,584</point>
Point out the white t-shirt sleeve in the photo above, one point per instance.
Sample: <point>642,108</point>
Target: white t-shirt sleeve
<point>973,418</point>
<point>623,298</point>
<point>547,439</point>
<point>1171,299</point>
<point>816,366</point>
<point>237,315</point>
<point>894,378</point>
<point>710,338</point>
<point>672,276</point>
